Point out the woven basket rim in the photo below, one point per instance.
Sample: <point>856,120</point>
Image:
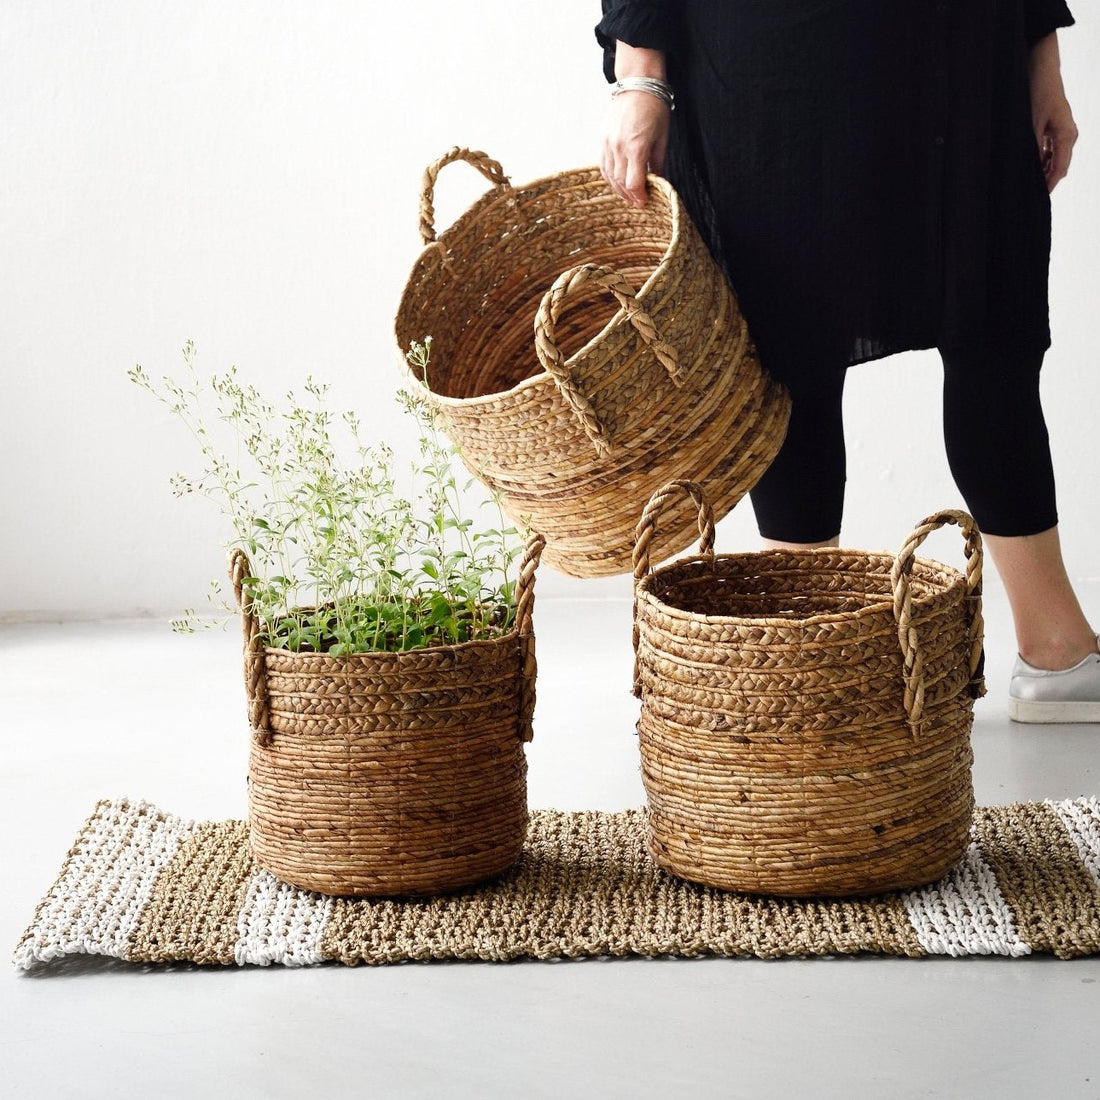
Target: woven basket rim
<point>390,654</point>
<point>643,589</point>
<point>496,194</point>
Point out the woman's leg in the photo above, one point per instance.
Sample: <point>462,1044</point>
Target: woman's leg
<point>799,501</point>
<point>999,454</point>
<point>1051,629</point>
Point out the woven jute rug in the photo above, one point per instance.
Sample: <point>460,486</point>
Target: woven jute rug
<point>146,886</point>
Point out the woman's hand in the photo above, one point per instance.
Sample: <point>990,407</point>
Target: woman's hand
<point>636,138</point>
<point>1051,117</point>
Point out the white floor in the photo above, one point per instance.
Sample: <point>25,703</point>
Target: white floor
<point>96,710</point>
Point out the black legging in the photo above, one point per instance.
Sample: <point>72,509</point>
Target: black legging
<point>993,428</point>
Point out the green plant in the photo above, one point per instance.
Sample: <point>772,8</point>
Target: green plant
<point>343,561</point>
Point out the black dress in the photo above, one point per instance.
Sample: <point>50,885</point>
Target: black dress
<point>865,170</point>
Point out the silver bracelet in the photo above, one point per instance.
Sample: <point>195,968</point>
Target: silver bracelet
<point>659,88</point>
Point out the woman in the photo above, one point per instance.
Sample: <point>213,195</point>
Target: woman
<point>875,177</point>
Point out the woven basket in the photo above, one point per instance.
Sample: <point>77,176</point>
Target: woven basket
<point>391,773</point>
<point>805,717</point>
<point>583,353</point>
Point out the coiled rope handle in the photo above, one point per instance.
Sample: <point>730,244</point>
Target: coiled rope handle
<point>525,606</point>
<point>900,573</point>
<point>255,669</point>
<point>552,360</point>
<point>485,164</point>
<point>643,536</point>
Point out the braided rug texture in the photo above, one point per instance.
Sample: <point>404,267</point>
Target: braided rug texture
<point>148,887</point>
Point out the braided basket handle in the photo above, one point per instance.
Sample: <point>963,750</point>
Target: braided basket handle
<point>647,525</point>
<point>643,536</point>
<point>552,360</point>
<point>525,606</point>
<point>255,671</point>
<point>900,573</point>
<point>485,164</point>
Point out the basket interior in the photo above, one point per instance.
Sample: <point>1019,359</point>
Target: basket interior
<point>478,293</point>
<point>790,585</point>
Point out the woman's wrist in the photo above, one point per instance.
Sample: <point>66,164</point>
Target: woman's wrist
<point>638,61</point>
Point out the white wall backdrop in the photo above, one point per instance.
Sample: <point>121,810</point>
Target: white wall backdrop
<point>246,175</point>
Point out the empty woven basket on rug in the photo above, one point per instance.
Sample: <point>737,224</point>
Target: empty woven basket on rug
<point>391,773</point>
<point>805,719</point>
<point>585,352</point>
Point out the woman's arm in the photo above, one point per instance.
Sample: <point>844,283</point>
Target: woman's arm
<point>636,136</point>
<point>1051,117</point>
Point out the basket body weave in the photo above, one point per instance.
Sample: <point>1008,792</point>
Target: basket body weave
<point>584,353</point>
<point>390,774</point>
<point>805,719</point>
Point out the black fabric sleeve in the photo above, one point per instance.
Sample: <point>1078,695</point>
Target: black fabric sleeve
<point>1041,17</point>
<point>648,24</point>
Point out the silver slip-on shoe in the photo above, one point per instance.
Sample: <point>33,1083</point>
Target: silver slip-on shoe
<point>1066,695</point>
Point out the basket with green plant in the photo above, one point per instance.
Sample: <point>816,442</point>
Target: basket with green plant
<point>389,647</point>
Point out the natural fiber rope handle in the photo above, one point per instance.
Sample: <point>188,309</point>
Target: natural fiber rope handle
<point>552,360</point>
<point>525,606</point>
<point>903,610</point>
<point>643,536</point>
<point>525,582</point>
<point>485,164</point>
<point>255,668</point>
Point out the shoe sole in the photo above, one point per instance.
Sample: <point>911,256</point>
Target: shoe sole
<point>1029,710</point>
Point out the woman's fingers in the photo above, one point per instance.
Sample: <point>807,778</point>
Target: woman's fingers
<point>1057,149</point>
<point>634,178</point>
<point>621,167</point>
<point>607,167</point>
<point>615,176</point>
<point>1056,140</point>
<point>625,172</point>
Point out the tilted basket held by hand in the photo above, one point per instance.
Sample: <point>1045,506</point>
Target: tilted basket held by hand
<point>805,717</point>
<point>390,773</point>
<point>584,352</point>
